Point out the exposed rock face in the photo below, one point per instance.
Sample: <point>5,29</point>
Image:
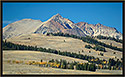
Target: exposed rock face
<point>99,29</point>
<point>58,24</point>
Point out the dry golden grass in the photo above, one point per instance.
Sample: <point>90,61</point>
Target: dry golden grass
<point>117,44</point>
<point>16,55</point>
<point>56,42</point>
<point>22,68</point>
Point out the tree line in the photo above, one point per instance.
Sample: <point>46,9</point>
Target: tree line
<point>109,38</point>
<point>11,46</point>
<point>74,65</point>
<point>87,39</point>
<point>97,48</point>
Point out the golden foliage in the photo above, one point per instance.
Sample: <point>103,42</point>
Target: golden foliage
<point>17,62</point>
<point>43,62</point>
<point>92,59</point>
<point>80,63</point>
<point>121,68</point>
<point>57,65</point>
<point>96,59</point>
<point>100,65</point>
<point>104,62</point>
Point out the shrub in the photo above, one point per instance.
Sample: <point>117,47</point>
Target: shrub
<point>89,51</point>
<point>9,61</point>
<point>99,48</point>
<point>13,61</point>
<point>17,62</point>
<point>82,51</point>
<point>101,54</point>
<point>88,46</point>
<point>41,60</point>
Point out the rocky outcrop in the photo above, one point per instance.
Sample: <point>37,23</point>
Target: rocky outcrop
<point>99,29</point>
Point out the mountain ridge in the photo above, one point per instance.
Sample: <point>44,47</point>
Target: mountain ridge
<point>58,24</point>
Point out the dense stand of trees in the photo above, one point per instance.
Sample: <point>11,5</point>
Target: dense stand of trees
<point>91,59</point>
<point>74,65</point>
<point>12,46</point>
<point>109,38</point>
<point>88,46</point>
<point>87,39</point>
<point>97,48</point>
<point>113,65</point>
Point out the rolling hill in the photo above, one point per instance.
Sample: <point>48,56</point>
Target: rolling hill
<point>57,42</point>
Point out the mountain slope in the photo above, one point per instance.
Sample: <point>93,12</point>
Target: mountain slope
<point>99,29</point>
<point>58,24</point>
<point>25,26</point>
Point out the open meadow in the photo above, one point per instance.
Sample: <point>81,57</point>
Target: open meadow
<point>10,68</point>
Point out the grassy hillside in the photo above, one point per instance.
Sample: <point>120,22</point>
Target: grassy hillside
<point>63,44</point>
<point>36,56</point>
<point>114,43</point>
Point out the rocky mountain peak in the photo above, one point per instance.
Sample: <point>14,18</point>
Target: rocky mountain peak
<point>59,24</point>
<point>98,24</point>
<point>57,16</point>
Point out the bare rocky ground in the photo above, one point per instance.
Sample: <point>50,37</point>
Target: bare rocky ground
<point>9,68</point>
<point>70,45</point>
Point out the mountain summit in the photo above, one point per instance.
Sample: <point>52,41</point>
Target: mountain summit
<point>58,24</point>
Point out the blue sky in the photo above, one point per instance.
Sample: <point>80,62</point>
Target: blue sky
<point>108,14</point>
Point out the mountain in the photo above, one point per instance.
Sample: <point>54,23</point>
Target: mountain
<point>98,29</point>
<point>58,24</point>
<point>25,26</point>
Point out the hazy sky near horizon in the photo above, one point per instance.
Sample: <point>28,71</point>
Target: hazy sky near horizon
<point>108,14</point>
